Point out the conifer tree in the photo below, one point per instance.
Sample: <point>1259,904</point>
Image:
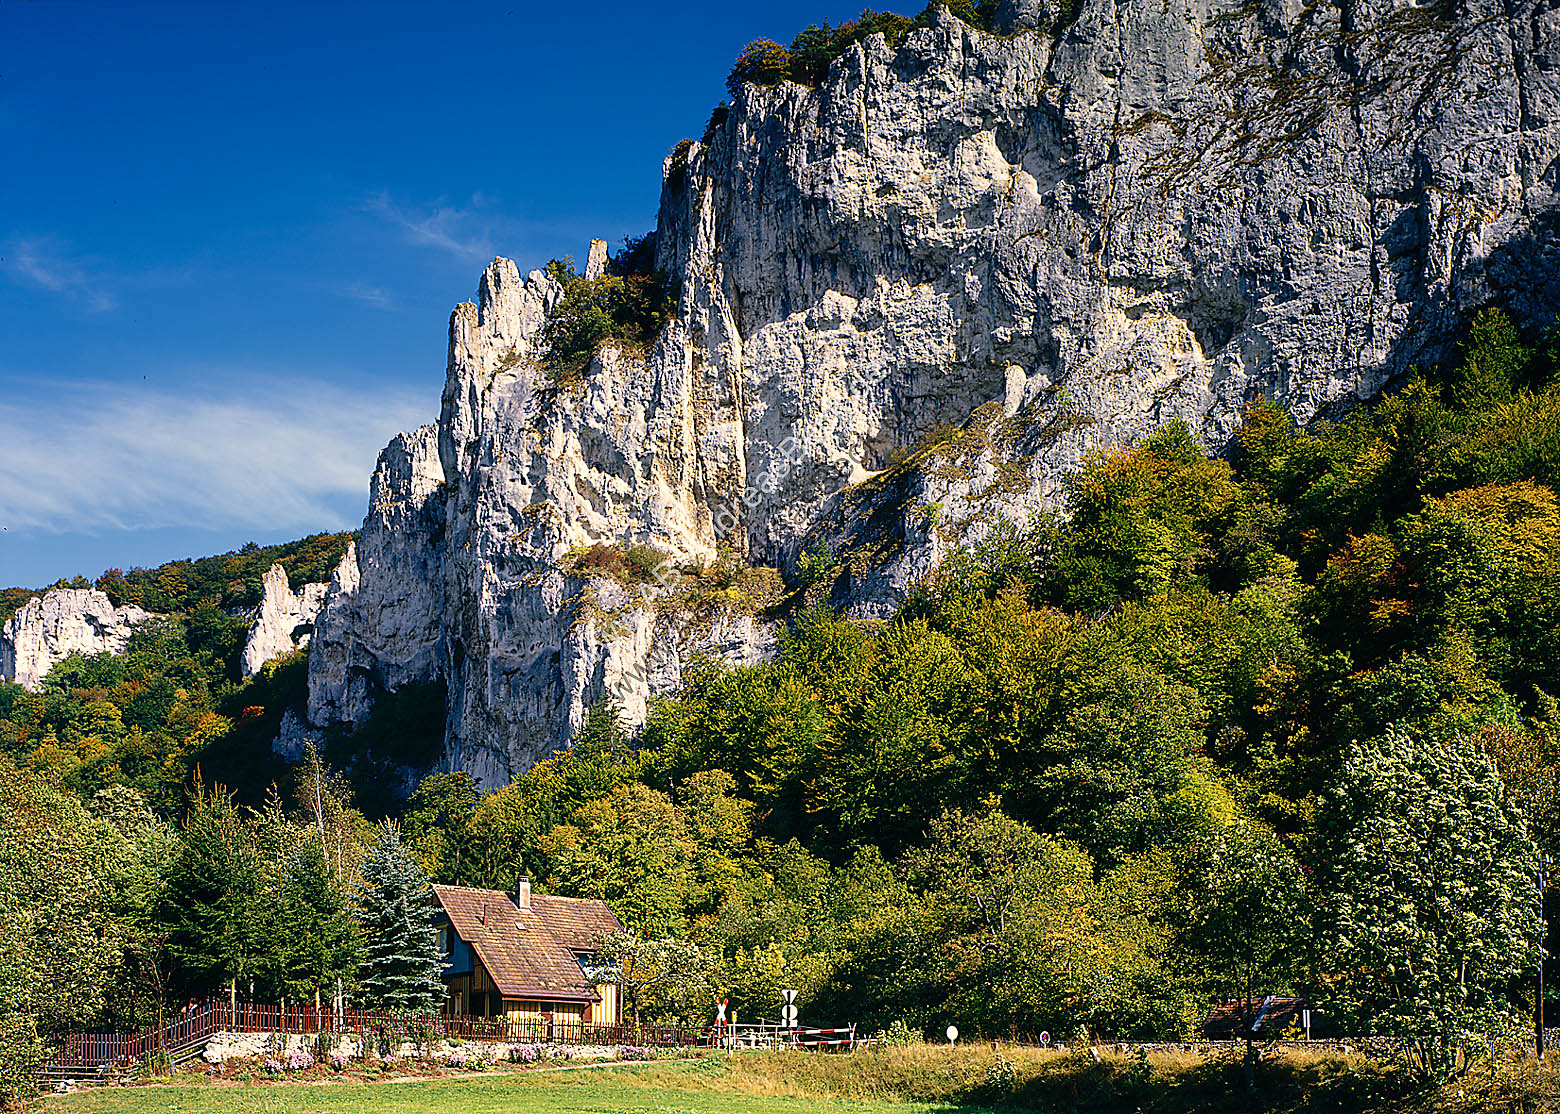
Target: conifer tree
<point>210,904</point>
<point>402,965</point>
<point>320,941</point>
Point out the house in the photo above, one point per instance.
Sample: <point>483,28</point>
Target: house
<point>1271,1017</point>
<point>524,957</point>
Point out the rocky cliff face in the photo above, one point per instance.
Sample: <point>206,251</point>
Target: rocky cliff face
<point>1045,241</point>
<point>62,622</point>
<point>284,620</point>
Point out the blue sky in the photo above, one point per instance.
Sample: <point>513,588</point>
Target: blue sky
<point>231,234</point>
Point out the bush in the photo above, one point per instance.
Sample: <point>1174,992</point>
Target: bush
<point>677,169</point>
<point>807,60</point>
<point>898,1035</point>
<point>627,564</point>
<point>629,308</point>
<point>762,62</point>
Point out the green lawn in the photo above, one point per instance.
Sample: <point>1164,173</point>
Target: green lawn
<point>664,1089</point>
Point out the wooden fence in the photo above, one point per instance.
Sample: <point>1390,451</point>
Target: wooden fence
<point>85,1052</point>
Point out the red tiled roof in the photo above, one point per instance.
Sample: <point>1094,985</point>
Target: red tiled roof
<point>529,953</point>
<point>1269,1016</point>
<point>576,922</point>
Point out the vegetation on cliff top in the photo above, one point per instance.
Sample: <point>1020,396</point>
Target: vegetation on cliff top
<point>629,305</point>
<point>230,581</point>
<point>807,59</point>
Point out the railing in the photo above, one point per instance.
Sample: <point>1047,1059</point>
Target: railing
<point>771,1034</point>
<point>98,1051</point>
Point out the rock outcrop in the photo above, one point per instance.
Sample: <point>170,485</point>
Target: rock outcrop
<point>909,302</point>
<point>63,621</point>
<point>284,620</point>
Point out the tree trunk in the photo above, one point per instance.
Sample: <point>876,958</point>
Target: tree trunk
<point>1251,1071</point>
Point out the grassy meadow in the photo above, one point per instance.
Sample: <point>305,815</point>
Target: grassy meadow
<point>897,1081</point>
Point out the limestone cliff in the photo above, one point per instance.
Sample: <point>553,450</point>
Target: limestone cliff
<point>1050,239</point>
<point>282,622</point>
<point>62,622</point>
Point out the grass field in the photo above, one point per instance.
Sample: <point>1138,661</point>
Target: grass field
<point>916,1080</point>
<point>683,1088</point>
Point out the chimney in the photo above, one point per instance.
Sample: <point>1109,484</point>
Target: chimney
<point>523,893</point>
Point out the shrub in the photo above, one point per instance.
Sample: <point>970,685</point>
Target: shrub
<point>815,563</point>
<point>299,1061</point>
<point>636,258</point>
<point>762,62</point>
<point>808,58</point>
<point>272,1066</point>
<point>1001,1078</point>
<point>677,169</point>
<point>630,308</point>
<point>627,564</point>
<point>339,1063</point>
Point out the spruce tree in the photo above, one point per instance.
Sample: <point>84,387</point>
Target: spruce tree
<point>210,904</point>
<point>402,967</point>
<point>319,939</point>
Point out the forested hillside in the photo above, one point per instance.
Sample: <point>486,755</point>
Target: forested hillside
<point>227,582</point>
<point>1021,802</point>
<point>176,698</point>
<point>1226,726</point>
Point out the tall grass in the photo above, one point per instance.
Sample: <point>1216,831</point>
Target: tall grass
<point>1163,1082</point>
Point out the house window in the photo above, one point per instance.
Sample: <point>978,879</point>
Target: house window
<point>446,941</point>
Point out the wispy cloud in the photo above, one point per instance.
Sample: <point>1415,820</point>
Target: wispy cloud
<point>45,265</point>
<point>282,454</point>
<point>465,233</point>
<point>376,296</point>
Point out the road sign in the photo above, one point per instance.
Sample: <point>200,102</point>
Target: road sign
<point>1045,1040</point>
<point>720,1011</point>
<point>789,996</point>
<point>788,1017</point>
<point>953,1033</point>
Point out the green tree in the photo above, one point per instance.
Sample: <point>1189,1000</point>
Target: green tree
<point>437,823</point>
<point>1493,363</point>
<point>632,849</point>
<point>319,937</point>
<point>665,977</point>
<point>210,905</point>
<point>59,944</point>
<point>1243,916</point>
<point>402,968</point>
<point>762,62</point>
<point>1023,938</point>
<point>1430,902</point>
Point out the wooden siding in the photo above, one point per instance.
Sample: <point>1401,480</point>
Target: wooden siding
<point>608,1011</point>
<point>476,995</point>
